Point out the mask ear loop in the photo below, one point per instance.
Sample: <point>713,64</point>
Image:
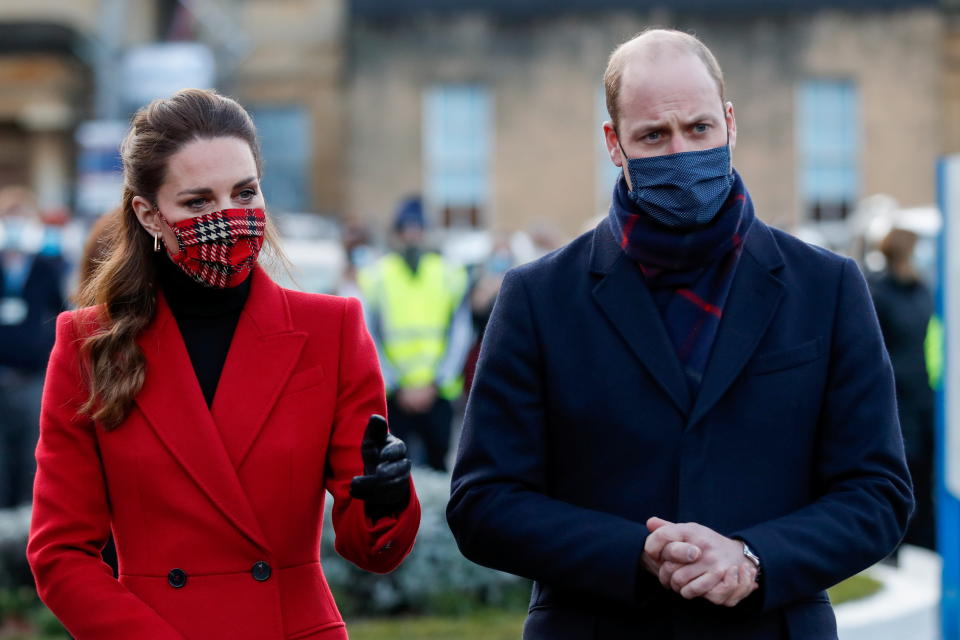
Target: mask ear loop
<point>623,154</point>
<point>622,150</point>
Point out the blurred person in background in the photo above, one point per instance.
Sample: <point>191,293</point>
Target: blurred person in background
<point>97,247</point>
<point>201,412</point>
<point>54,222</point>
<point>419,316</point>
<point>31,296</point>
<point>359,253</point>
<point>487,278</point>
<point>683,423</point>
<point>904,308</point>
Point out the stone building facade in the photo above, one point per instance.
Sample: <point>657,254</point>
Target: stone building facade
<point>492,108</point>
<point>541,70</point>
<point>281,58</point>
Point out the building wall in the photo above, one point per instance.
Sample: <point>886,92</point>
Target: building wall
<point>270,53</point>
<point>544,75</point>
<point>43,95</point>
<point>362,83</point>
<point>951,79</point>
<point>896,60</point>
<point>296,58</point>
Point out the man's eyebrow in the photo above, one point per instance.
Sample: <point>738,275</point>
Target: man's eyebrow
<point>702,117</point>
<point>205,190</point>
<point>648,125</point>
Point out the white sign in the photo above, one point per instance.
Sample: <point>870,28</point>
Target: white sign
<point>159,70</point>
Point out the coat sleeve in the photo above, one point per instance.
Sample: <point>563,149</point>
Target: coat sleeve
<point>380,546</point>
<point>71,515</point>
<point>865,496</point>
<point>500,510</point>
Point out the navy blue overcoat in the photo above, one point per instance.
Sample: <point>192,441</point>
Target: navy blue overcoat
<point>580,426</point>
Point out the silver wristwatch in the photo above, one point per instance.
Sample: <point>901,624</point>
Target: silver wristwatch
<point>754,558</point>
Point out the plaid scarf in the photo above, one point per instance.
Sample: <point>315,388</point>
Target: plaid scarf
<point>689,271</point>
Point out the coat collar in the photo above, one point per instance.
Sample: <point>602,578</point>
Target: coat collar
<point>624,298</point>
<point>262,356</point>
<point>750,307</point>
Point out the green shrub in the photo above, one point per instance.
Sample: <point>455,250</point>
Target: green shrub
<point>479,625</point>
<point>435,578</point>
<point>43,620</point>
<point>14,527</point>
<point>17,602</point>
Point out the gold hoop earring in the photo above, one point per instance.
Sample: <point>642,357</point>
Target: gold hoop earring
<point>156,242</point>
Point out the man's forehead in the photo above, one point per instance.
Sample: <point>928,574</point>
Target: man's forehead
<point>682,74</point>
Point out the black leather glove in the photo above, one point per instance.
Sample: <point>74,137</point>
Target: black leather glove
<point>385,485</point>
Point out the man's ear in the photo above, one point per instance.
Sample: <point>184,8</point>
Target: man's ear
<point>731,124</point>
<point>612,140</point>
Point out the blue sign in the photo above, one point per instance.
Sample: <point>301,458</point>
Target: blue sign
<point>948,397</point>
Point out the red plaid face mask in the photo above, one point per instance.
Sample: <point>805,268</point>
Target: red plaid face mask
<point>219,249</point>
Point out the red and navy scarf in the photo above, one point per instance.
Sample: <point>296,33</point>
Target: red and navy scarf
<point>688,271</point>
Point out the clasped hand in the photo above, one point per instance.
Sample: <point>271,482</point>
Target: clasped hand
<point>696,561</point>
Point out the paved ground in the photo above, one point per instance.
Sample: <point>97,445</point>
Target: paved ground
<point>906,608</point>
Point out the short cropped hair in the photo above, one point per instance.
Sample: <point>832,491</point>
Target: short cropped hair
<point>659,38</point>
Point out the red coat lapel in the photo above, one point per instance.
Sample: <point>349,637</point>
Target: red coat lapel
<point>262,356</point>
<point>174,407</point>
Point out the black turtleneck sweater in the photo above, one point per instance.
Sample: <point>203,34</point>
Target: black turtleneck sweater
<point>207,318</point>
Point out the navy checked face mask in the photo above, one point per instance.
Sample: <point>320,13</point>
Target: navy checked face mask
<point>683,189</point>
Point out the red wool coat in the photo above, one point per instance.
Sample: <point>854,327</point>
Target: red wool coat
<point>216,512</point>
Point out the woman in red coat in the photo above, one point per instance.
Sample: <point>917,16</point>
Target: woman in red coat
<point>201,412</point>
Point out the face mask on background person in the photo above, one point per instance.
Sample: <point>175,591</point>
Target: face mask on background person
<point>20,234</point>
<point>219,249</point>
<point>361,256</point>
<point>683,189</point>
<point>498,263</point>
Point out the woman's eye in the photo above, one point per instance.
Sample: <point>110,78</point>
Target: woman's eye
<point>196,203</point>
<point>247,194</point>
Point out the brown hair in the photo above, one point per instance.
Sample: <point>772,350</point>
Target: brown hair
<point>897,247</point>
<point>124,286</point>
<point>97,247</point>
<point>657,39</point>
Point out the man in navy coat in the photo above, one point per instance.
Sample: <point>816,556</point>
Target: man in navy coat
<point>682,423</point>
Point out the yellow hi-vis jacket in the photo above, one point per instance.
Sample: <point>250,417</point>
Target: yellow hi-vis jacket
<point>420,321</point>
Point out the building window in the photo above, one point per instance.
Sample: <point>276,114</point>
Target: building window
<point>285,136</point>
<point>828,141</point>
<point>456,143</point>
<point>607,172</point>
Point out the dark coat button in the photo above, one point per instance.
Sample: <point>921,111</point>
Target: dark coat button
<point>261,571</point>
<point>177,578</point>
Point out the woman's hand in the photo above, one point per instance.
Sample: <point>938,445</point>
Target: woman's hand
<point>385,485</point>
